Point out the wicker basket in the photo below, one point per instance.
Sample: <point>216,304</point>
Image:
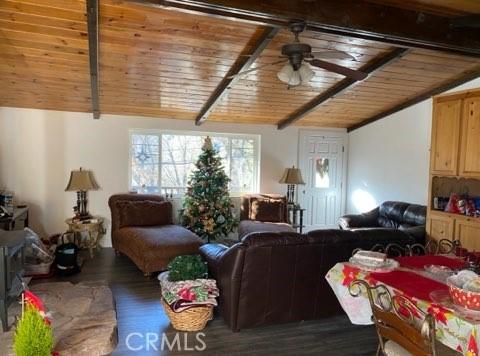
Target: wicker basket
<point>192,319</point>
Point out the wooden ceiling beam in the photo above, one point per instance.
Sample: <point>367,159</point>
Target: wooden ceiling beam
<point>254,48</point>
<point>469,21</point>
<point>92,25</point>
<point>346,83</point>
<point>352,18</point>
<point>471,75</point>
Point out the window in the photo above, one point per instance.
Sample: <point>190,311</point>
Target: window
<point>161,162</point>
<point>322,175</point>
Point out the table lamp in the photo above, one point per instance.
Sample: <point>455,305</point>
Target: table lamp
<point>81,181</point>
<point>292,177</point>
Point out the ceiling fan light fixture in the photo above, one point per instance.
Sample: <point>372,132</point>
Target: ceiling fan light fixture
<point>306,73</point>
<point>295,79</point>
<point>285,73</point>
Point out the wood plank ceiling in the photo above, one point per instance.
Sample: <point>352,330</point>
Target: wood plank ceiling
<point>44,55</point>
<point>161,63</point>
<point>442,7</point>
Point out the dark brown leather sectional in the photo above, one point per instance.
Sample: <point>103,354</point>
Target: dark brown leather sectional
<point>279,277</point>
<point>143,229</point>
<point>393,215</point>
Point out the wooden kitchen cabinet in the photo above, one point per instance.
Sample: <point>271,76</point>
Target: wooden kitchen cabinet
<point>467,230</point>
<point>440,227</point>
<point>470,138</point>
<point>446,126</point>
<point>455,165</point>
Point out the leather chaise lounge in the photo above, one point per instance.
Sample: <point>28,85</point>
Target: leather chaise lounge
<point>143,230</point>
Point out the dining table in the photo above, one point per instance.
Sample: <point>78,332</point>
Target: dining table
<point>455,328</point>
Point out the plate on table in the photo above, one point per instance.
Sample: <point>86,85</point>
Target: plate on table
<point>443,298</point>
<point>438,272</point>
<point>388,266</point>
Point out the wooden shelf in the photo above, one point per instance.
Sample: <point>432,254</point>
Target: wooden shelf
<point>436,175</point>
<point>454,216</point>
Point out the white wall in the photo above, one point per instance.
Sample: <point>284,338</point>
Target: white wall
<point>39,148</point>
<point>389,159</point>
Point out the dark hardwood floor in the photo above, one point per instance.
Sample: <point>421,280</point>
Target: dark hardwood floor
<point>140,315</point>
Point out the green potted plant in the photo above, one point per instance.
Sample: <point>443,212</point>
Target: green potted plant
<point>187,267</point>
<point>33,333</point>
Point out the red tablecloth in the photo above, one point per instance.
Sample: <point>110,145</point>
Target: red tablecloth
<point>409,283</point>
<point>421,261</point>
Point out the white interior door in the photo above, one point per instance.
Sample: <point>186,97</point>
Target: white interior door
<point>322,162</point>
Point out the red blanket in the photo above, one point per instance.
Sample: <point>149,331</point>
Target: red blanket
<point>409,283</point>
<point>421,261</point>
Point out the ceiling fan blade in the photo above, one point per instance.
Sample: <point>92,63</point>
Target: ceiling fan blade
<point>333,55</point>
<point>332,67</point>
<point>256,68</point>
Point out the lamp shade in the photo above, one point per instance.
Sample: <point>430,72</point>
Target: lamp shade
<point>292,176</point>
<point>81,180</point>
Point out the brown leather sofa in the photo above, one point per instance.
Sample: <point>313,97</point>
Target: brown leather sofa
<point>263,212</point>
<point>143,229</point>
<point>410,218</point>
<point>271,278</point>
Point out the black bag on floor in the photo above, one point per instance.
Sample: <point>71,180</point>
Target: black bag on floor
<point>66,258</point>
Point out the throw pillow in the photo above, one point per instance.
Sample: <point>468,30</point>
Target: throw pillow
<point>144,213</point>
<point>267,210</point>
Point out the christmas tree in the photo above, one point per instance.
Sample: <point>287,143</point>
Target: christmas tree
<point>207,204</point>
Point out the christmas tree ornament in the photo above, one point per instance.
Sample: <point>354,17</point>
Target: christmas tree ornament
<point>207,146</point>
<point>209,225</point>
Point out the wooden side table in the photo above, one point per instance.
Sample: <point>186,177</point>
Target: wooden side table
<point>93,227</point>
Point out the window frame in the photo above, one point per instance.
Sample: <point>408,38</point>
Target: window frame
<point>155,132</point>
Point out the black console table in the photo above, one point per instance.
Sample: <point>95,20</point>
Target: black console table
<point>17,221</point>
<point>12,246</point>
<point>295,217</point>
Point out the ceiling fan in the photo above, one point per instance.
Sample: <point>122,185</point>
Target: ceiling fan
<point>300,57</point>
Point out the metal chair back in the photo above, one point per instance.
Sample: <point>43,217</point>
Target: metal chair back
<point>397,319</point>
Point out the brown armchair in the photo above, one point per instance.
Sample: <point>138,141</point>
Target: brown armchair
<point>263,212</point>
<point>143,229</point>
